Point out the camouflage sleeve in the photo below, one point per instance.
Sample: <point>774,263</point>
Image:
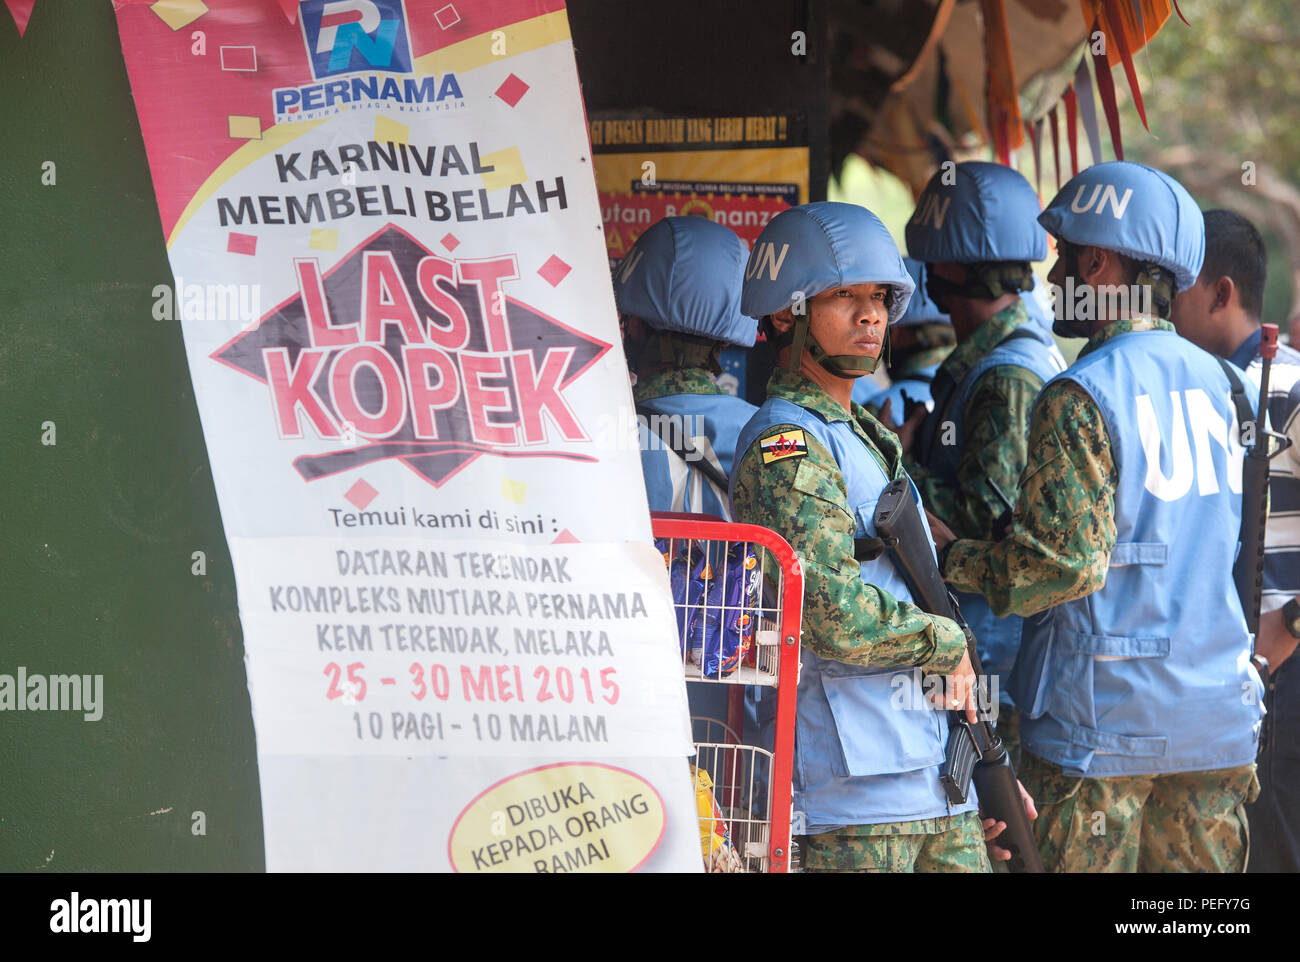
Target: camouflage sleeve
<point>1064,522</point>
<point>996,429</point>
<point>935,494</point>
<point>996,422</point>
<point>803,498</point>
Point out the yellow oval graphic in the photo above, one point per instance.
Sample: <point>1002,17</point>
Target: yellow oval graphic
<point>569,817</point>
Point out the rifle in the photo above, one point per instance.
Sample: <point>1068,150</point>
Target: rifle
<point>1248,571</point>
<point>1002,523</point>
<point>974,752</point>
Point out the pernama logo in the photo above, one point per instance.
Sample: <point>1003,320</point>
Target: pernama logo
<point>354,47</point>
<point>76,915</point>
<point>367,91</point>
<point>344,36</point>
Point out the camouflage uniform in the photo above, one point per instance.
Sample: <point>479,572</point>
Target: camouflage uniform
<point>928,356</point>
<point>996,434</point>
<point>951,843</point>
<point>1059,550</point>
<point>845,618</point>
<point>673,381</point>
<point>1141,823</point>
<point>996,429</point>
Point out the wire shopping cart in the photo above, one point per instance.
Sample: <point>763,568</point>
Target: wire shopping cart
<point>738,594</point>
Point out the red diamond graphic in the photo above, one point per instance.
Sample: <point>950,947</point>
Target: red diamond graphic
<point>361,494</point>
<point>511,90</point>
<point>450,242</point>
<point>554,270</point>
<point>241,243</point>
<point>565,537</point>
<point>447,17</point>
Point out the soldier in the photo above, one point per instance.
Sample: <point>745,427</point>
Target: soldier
<point>975,227</point>
<point>1140,710</point>
<point>811,465</point>
<point>1220,313</point>
<point>918,343</point>
<point>678,291</point>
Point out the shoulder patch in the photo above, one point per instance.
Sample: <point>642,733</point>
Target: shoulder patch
<point>783,444</point>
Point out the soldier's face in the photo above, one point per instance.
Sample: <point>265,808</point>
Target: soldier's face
<point>850,319</point>
<point>1191,315</point>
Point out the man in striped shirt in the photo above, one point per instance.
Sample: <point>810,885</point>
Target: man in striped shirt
<point>1221,314</point>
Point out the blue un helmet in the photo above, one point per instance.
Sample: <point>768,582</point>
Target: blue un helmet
<point>982,215</point>
<point>1136,211</point>
<point>813,248</point>
<point>684,275</point>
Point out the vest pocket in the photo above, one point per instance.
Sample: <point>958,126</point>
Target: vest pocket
<point>1139,553</point>
<point>883,727</point>
<point>1114,646</point>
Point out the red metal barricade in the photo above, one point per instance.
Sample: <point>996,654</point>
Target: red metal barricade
<point>751,785</point>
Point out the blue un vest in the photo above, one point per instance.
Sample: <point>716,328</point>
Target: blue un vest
<point>997,639</point>
<point>713,422</point>
<point>1151,673</point>
<point>867,747</point>
<point>917,389</point>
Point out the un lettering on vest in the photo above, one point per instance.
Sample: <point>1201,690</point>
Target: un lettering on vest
<point>1205,424</point>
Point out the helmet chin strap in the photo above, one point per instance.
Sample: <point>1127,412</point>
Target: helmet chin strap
<point>847,366</point>
<point>985,281</point>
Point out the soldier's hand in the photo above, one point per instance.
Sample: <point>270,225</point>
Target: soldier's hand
<point>908,430</point>
<point>993,828</point>
<point>886,414</point>
<point>911,424</point>
<point>1274,642</point>
<point>959,690</point>
<point>941,533</point>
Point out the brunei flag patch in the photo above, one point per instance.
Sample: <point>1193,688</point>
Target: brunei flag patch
<point>786,444</point>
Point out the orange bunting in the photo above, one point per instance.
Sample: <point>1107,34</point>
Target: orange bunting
<point>1001,95</point>
<point>1056,146</point>
<point>1034,130</point>
<point>1106,91</point>
<point>1139,20</point>
<point>1072,128</point>
<point>1117,31</point>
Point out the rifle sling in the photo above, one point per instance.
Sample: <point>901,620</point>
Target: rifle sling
<point>684,450</point>
<point>1239,398</point>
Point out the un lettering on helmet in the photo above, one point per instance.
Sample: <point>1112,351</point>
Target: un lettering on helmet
<point>933,210</point>
<point>1106,192</point>
<point>765,258</point>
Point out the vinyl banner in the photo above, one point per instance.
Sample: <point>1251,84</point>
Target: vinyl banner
<point>390,273</point>
<point>738,171</point>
